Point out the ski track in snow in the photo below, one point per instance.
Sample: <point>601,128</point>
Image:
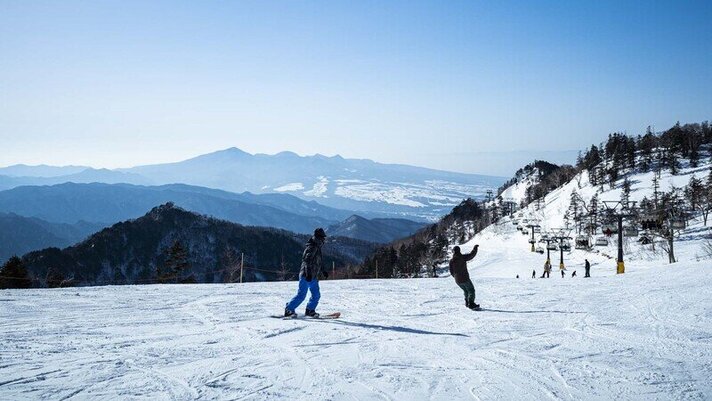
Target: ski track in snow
<point>645,335</point>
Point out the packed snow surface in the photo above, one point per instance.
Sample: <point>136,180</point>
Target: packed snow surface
<point>644,335</point>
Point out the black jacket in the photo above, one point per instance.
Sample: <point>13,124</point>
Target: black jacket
<point>311,259</point>
<point>458,266</point>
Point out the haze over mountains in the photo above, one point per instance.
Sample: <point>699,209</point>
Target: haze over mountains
<point>35,217</point>
<point>370,188</point>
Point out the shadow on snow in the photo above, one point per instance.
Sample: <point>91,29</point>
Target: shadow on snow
<point>399,329</point>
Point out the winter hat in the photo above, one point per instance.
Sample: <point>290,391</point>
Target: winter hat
<point>456,249</point>
<point>319,233</point>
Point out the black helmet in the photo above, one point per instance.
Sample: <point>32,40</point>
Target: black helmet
<point>319,233</point>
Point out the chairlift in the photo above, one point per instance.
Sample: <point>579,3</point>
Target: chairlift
<point>609,229</point>
<point>601,241</point>
<point>525,221</point>
<point>645,239</point>
<point>515,222</point>
<point>566,247</point>
<point>678,223</point>
<point>630,232</point>
<point>532,241</point>
<point>539,249</point>
<point>583,242</point>
<point>552,247</point>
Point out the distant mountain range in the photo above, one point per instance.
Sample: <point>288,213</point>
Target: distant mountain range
<point>19,235</point>
<point>111,203</point>
<point>136,251</point>
<point>364,186</point>
<point>375,230</point>
<point>36,217</point>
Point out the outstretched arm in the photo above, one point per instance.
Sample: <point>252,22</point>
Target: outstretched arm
<point>472,254</point>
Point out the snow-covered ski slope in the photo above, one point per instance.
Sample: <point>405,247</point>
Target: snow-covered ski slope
<point>645,335</point>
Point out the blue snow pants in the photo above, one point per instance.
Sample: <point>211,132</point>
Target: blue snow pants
<point>304,285</point>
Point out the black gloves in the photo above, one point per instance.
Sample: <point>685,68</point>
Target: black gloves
<point>325,274</point>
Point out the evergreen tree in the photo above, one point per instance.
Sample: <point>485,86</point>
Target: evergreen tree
<point>625,194</point>
<point>707,198</point>
<point>656,189</point>
<point>176,263</point>
<point>13,274</point>
<point>694,192</point>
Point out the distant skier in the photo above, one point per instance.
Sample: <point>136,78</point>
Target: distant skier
<point>547,270</point>
<point>588,269</point>
<point>534,273</point>
<point>562,274</point>
<point>458,270</point>
<point>573,274</point>
<point>309,276</point>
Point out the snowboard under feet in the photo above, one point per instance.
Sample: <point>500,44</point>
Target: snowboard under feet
<point>334,315</point>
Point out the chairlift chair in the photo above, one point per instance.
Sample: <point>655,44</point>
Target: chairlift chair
<point>678,224</point>
<point>601,241</point>
<point>552,247</point>
<point>539,249</point>
<point>630,232</point>
<point>583,242</point>
<point>609,229</point>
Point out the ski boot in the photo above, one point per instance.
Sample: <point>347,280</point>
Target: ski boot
<point>311,313</point>
<point>289,313</point>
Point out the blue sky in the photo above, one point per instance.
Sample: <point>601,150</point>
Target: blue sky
<point>437,84</point>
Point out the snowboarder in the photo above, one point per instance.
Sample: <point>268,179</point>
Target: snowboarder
<point>309,276</point>
<point>458,270</point>
<point>588,269</point>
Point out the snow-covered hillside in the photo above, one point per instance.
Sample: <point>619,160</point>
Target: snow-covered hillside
<point>507,243</point>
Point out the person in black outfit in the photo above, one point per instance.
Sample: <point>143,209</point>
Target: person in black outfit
<point>588,269</point>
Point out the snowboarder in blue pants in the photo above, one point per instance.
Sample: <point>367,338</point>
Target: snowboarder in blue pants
<point>309,276</point>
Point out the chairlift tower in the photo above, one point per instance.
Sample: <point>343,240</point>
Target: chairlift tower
<point>620,210</point>
<point>548,239</point>
<point>563,234</point>
<point>532,240</point>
